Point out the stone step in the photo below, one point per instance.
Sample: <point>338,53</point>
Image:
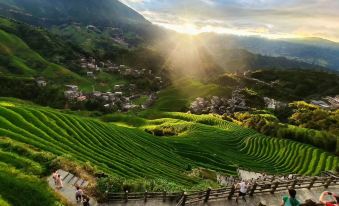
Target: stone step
<point>68,177</point>
<point>73,180</point>
<point>79,182</point>
<point>62,173</point>
<point>84,184</point>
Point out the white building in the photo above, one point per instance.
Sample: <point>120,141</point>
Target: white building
<point>41,83</point>
<point>72,87</point>
<point>320,103</point>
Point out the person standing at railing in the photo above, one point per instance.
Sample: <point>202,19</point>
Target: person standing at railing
<point>334,199</point>
<point>243,187</point>
<point>290,200</point>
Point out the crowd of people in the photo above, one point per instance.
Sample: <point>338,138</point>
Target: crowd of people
<point>326,198</point>
<point>80,195</point>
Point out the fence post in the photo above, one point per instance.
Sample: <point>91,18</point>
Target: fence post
<point>164,196</point>
<point>253,188</point>
<point>312,183</point>
<point>275,186</point>
<point>184,199</point>
<point>145,196</point>
<point>126,196</point>
<point>208,192</point>
<point>328,182</point>
<point>294,183</point>
<point>231,192</point>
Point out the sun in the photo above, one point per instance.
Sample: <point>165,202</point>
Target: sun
<point>190,29</point>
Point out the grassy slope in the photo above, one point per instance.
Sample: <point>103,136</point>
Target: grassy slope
<point>129,152</point>
<point>20,168</point>
<point>183,92</point>
<point>16,58</point>
<point>124,149</point>
<point>20,189</point>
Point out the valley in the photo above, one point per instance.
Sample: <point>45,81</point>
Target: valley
<point>98,91</point>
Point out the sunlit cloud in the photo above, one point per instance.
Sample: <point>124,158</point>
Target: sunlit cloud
<point>267,18</point>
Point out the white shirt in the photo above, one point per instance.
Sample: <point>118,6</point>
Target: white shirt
<point>243,187</point>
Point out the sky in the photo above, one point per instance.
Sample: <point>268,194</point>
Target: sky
<point>267,18</point>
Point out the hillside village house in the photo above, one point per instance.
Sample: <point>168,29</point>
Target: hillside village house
<point>321,104</point>
<point>117,87</point>
<point>90,74</point>
<point>334,101</point>
<point>72,92</point>
<point>41,83</point>
<point>81,98</point>
<point>273,104</point>
<point>72,87</point>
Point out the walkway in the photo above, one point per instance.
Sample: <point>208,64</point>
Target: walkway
<point>266,199</point>
<point>68,191</point>
<point>271,200</point>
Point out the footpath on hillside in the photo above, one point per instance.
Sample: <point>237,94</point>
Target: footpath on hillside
<point>69,180</point>
<point>68,190</point>
<point>266,199</point>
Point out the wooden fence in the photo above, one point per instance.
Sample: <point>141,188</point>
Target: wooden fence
<point>258,188</point>
<point>126,196</point>
<point>190,197</point>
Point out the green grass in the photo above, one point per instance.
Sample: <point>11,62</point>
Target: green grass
<point>19,189</point>
<point>178,96</point>
<point>4,202</point>
<point>120,147</point>
<point>205,141</point>
<point>17,58</point>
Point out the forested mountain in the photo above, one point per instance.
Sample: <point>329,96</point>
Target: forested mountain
<point>316,51</point>
<point>87,12</point>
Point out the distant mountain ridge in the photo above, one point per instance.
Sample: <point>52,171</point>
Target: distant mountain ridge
<point>315,51</point>
<point>57,12</point>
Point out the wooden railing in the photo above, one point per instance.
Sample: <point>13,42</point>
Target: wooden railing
<point>126,196</point>
<point>260,187</point>
<point>189,197</point>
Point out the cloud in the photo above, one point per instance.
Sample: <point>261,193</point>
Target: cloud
<point>271,18</point>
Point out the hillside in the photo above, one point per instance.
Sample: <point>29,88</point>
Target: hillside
<point>43,42</point>
<point>17,58</point>
<point>88,12</point>
<point>314,51</point>
<point>34,140</point>
<point>205,141</point>
<point>285,85</point>
<point>107,21</point>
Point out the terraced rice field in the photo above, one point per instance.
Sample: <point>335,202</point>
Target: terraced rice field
<point>213,143</point>
<point>204,141</point>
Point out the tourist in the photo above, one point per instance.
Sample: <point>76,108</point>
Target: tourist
<point>85,200</point>
<point>290,200</point>
<point>55,176</point>
<point>333,199</point>
<point>59,183</point>
<point>78,194</point>
<point>242,191</point>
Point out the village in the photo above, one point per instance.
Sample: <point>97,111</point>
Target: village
<point>120,98</point>
<point>328,102</point>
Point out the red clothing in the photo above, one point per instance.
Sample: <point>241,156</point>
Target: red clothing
<point>331,204</point>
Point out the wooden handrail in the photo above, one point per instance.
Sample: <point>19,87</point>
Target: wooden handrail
<point>228,192</point>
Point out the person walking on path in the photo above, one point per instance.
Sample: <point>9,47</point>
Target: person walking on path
<point>85,200</point>
<point>59,183</point>
<point>242,191</point>
<point>290,200</point>
<point>55,176</point>
<point>78,194</point>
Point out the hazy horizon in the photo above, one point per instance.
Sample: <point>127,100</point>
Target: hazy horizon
<point>266,18</point>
